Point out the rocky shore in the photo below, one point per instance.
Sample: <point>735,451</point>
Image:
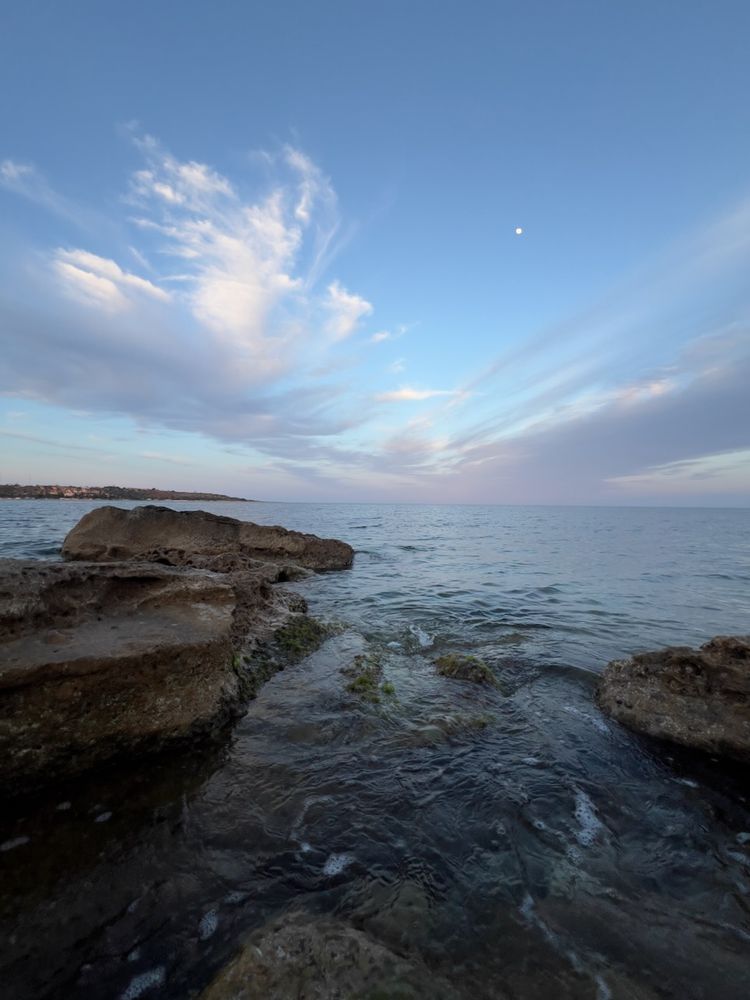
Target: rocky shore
<point>159,625</point>
<point>382,811</point>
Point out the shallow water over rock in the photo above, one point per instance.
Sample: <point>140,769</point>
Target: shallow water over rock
<point>507,841</point>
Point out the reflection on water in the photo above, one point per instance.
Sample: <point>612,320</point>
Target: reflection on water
<point>514,839</point>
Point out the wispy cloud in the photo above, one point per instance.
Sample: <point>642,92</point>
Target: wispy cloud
<point>158,456</point>
<point>100,282</point>
<point>26,180</point>
<point>410,394</point>
<point>346,311</point>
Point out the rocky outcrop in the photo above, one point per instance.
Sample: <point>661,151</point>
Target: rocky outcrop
<point>196,538</point>
<point>696,697</point>
<point>159,627</point>
<point>322,959</point>
<point>96,661</point>
<point>103,660</point>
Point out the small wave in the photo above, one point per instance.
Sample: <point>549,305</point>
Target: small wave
<point>585,813</point>
<point>143,982</point>
<point>424,639</point>
<point>208,924</point>
<point>336,864</point>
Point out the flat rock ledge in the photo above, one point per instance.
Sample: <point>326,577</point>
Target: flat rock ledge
<point>197,538</point>
<point>696,697</point>
<point>114,656</point>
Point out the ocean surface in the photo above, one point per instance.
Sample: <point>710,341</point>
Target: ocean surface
<point>516,841</point>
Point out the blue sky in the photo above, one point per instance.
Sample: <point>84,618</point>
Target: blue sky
<point>270,249</point>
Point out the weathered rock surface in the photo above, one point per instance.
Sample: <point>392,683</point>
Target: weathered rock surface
<point>696,697</point>
<point>322,959</point>
<point>197,538</point>
<point>98,660</point>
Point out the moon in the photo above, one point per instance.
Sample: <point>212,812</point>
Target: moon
<point>519,231</point>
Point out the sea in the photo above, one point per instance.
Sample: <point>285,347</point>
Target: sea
<point>512,841</point>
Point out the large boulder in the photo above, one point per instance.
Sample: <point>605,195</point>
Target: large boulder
<point>96,661</point>
<point>697,697</point>
<point>322,959</point>
<point>197,538</point>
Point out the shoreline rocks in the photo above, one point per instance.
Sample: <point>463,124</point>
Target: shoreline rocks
<point>146,643</point>
<point>197,538</point>
<point>696,697</point>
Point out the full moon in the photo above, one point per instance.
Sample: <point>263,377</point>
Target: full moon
<point>519,231</point>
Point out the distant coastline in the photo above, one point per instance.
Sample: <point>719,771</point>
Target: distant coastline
<point>14,491</point>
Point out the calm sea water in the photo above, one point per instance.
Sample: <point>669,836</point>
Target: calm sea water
<point>518,842</point>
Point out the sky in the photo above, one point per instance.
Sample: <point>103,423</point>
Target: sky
<point>270,250</point>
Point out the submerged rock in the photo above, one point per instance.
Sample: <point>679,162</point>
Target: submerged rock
<point>697,697</point>
<point>322,959</point>
<point>466,668</point>
<point>197,538</point>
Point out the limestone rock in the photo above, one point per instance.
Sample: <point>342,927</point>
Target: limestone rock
<point>100,660</point>
<point>197,538</point>
<point>696,697</point>
<point>322,959</point>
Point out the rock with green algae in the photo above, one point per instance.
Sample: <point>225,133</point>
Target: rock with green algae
<point>366,673</point>
<point>461,666</point>
<point>297,638</point>
<point>322,959</point>
<point>300,636</point>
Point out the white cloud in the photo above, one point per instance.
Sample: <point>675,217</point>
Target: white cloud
<point>90,289</point>
<point>192,184</point>
<point>380,336</point>
<point>346,311</point>
<point>101,282</point>
<point>249,267</point>
<point>397,366</point>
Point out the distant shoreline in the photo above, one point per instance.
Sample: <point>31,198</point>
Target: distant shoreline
<point>17,492</point>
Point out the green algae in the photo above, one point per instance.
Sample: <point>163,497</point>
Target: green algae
<point>461,666</point>
<point>366,672</point>
<point>300,636</point>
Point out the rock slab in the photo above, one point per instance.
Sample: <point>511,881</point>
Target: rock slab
<point>697,697</point>
<point>197,538</point>
<point>97,661</point>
